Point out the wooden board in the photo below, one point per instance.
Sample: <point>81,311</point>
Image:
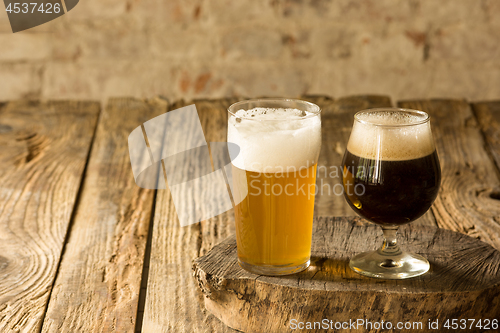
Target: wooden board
<point>173,302</point>
<point>463,282</point>
<point>488,116</point>
<point>323,101</point>
<point>469,176</point>
<point>44,152</point>
<point>99,279</point>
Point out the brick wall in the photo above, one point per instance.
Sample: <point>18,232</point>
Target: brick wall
<point>214,48</point>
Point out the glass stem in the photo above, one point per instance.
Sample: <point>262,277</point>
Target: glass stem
<point>390,246</point>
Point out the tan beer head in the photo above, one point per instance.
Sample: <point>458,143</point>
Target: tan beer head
<point>392,135</point>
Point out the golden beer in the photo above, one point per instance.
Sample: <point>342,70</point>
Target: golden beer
<point>274,220</point>
<point>273,182</point>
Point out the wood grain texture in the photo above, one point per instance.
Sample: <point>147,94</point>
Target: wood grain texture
<point>323,101</point>
<point>98,283</point>
<point>44,152</point>
<point>469,176</point>
<point>464,282</point>
<point>488,116</point>
<point>173,302</point>
<point>353,104</point>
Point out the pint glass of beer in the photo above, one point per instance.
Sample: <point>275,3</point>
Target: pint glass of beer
<point>391,176</point>
<point>273,182</point>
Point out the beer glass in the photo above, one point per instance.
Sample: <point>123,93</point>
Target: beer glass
<point>273,182</point>
<point>391,176</point>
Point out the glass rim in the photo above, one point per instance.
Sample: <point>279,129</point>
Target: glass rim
<point>315,113</point>
<point>393,109</point>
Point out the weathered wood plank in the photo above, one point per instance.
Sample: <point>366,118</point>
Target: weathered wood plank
<point>98,283</point>
<point>488,116</point>
<point>463,282</point>
<point>173,302</point>
<point>44,152</point>
<point>322,101</point>
<point>469,176</point>
<point>353,104</point>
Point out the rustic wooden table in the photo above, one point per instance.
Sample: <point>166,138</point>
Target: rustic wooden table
<point>83,249</point>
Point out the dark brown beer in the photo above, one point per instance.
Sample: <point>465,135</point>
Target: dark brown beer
<point>391,192</point>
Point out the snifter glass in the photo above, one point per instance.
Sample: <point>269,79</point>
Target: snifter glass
<point>391,176</point>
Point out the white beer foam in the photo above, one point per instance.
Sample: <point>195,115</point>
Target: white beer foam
<point>391,143</point>
<point>275,139</point>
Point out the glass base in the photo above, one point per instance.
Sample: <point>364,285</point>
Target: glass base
<point>403,265</point>
<point>273,270</point>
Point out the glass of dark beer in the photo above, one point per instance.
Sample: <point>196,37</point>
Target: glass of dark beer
<point>391,176</point>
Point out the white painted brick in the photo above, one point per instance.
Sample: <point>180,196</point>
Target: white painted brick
<point>466,42</point>
<point>93,9</point>
<point>25,46</point>
<point>120,37</point>
<point>19,81</point>
<point>4,21</point>
<point>104,78</point>
<point>251,43</point>
<point>198,48</point>
<point>192,43</point>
